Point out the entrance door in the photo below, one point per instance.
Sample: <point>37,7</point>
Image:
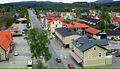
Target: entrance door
<point>67,45</point>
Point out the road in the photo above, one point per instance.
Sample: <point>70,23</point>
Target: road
<point>36,24</point>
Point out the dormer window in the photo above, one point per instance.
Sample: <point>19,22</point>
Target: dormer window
<point>94,48</point>
<point>56,20</point>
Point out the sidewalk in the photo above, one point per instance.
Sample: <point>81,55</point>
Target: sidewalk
<point>64,53</point>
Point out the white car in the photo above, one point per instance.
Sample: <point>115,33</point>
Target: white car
<point>29,64</point>
<point>16,53</point>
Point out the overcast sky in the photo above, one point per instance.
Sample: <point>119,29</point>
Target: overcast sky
<point>64,1</point>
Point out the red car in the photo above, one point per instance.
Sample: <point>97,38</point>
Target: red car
<point>70,66</point>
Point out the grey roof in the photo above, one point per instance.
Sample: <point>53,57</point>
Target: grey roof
<point>66,31</point>
<point>88,43</point>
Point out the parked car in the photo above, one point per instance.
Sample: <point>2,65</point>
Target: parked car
<point>113,53</point>
<point>16,53</point>
<point>115,39</point>
<point>29,64</point>
<point>70,66</point>
<point>58,60</point>
<point>117,54</point>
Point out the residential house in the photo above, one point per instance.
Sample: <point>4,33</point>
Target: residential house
<point>5,41</point>
<point>114,14</point>
<point>90,32</point>
<point>65,36</point>
<point>92,21</point>
<point>66,15</point>
<point>14,31</point>
<point>80,27</point>
<point>91,52</point>
<point>116,21</point>
<point>42,15</point>
<point>92,12</point>
<point>53,22</point>
<point>114,31</point>
<point>84,15</point>
<point>1,13</point>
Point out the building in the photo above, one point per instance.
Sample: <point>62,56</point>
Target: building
<point>66,15</point>
<point>114,31</point>
<point>1,13</point>
<point>92,21</point>
<point>116,21</point>
<point>91,52</point>
<point>80,27</point>
<point>5,41</point>
<point>65,36</point>
<point>90,32</point>
<point>53,22</point>
<point>14,31</point>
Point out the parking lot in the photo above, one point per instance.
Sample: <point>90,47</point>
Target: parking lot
<point>19,61</point>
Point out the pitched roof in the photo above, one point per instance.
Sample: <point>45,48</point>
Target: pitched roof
<point>112,33</point>
<point>52,18</point>
<point>5,40</point>
<point>66,31</point>
<point>77,25</point>
<point>93,20</point>
<point>92,30</point>
<point>85,43</point>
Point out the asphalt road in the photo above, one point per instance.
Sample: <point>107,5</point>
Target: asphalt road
<point>36,24</point>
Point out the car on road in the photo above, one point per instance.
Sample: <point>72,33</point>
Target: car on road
<point>29,64</point>
<point>70,66</point>
<point>117,54</point>
<point>58,60</point>
<point>16,53</point>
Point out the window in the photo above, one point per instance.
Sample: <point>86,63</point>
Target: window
<point>100,54</point>
<point>56,20</point>
<point>94,48</point>
<point>53,22</point>
<point>59,22</point>
<point>56,25</point>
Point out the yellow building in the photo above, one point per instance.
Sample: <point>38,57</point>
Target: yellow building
<point>91,52</point>
<point>54,25</point>
<point>65,36</point>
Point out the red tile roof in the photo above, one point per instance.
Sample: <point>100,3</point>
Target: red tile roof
<point>5,40</point>
<point>92,30</point>
<point>99,16</point>
<point>52,18</point>
<point>77,26</point>
<point>116,19</point>
<point>74,22</point>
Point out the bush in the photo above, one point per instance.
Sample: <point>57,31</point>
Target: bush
<point>40,65</point>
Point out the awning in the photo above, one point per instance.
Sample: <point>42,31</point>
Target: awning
<point>76,57</point>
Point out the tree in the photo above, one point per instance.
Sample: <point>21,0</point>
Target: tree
<point>40,65</point>
<point>58,15</point>
<point>105,17</point>
<point>102,25</point>
<point>38,41</point>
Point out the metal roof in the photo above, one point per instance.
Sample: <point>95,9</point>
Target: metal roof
<point>86,43</point>
<point>66,31</point>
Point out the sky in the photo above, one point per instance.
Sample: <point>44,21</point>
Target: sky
<point>64,1</point>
